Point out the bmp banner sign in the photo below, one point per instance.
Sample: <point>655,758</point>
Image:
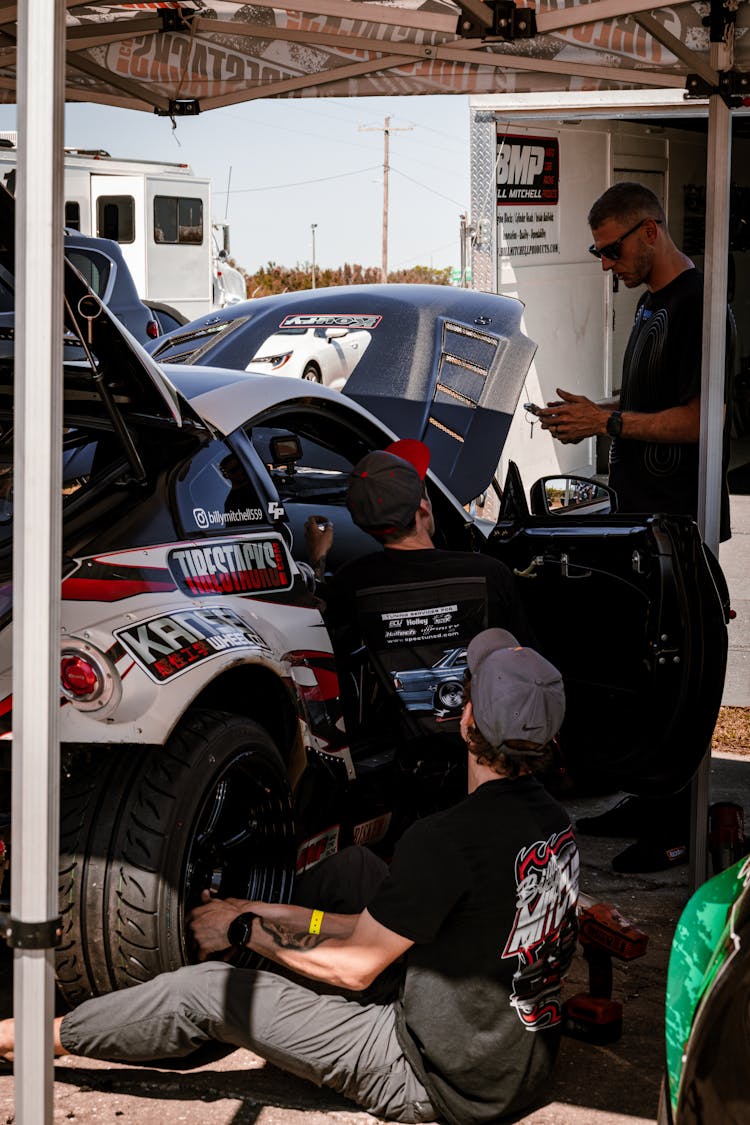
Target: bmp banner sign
<point>528,183</point>
<point>528,170</point>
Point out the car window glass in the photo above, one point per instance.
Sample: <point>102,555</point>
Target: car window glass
<point>94,267</point>
<point>87,456</point>
<point>326,353</point>
<point>315,483</point>
<point>215,495</point>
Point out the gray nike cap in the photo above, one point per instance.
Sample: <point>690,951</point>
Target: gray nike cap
<point>515,693</point>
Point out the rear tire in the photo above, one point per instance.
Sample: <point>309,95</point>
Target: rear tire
<point>211,809</point>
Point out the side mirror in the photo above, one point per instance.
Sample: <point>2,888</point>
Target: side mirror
<point>336,333</point>
<point>572,496</point>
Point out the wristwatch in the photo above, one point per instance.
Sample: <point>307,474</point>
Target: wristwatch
<point>614,423</point>
<point>238,933</point>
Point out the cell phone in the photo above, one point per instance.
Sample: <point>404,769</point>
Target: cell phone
<point>533,408</point>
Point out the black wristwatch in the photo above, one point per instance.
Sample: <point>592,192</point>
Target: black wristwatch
<point>238,933</point>
<point>614,423</point>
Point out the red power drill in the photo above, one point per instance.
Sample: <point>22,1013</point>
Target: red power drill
<point>604,934</point>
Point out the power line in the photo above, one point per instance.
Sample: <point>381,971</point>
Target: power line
<point>426,187</point>
<point>300,183</point>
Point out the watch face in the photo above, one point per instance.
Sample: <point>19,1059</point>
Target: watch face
<point>238,932</point>
<point>614,424</point>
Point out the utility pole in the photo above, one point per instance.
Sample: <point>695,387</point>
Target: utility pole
<point>386,130</point>
<point>313,228</point>
<point>467,233</point>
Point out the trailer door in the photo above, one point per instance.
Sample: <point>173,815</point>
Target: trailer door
<point>178,231</point>
<point>117,209</point>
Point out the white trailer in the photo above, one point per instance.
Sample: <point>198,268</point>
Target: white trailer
<point>159,213</point>
<point>537,166</point>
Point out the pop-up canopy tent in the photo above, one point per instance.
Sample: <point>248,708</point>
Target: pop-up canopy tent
<point>181,58</point>
<point>188,56</point>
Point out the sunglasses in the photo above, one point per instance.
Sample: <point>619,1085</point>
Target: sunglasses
<point>613,250</point>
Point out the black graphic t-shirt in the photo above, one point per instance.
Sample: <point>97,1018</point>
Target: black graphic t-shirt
<point>662,369</point>
<point>487,890</point>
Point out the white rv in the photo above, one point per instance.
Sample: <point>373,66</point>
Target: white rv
<point>159,213</point>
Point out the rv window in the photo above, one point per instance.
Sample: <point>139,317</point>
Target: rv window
<point>115,217</point>
<point>72,215</point>
<point>178,219</point>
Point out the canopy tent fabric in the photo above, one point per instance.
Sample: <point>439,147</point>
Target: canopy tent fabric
<point>188,56</point>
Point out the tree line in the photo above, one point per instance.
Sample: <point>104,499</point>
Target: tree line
<point>272,278</point>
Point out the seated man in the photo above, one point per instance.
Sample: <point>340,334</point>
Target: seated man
<point>413,606</point>
<point>480,903</point>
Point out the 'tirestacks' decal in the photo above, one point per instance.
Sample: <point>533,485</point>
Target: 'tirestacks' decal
<point>249,566</point>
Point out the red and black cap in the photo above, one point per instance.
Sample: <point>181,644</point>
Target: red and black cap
<point>386,486</point>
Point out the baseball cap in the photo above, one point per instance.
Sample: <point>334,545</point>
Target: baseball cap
<point>386,486</point>
<point>515,693</point>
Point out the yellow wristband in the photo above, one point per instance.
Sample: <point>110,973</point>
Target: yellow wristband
<point>315,922</point>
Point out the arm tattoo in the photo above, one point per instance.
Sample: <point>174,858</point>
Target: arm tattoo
<point>286,938</point>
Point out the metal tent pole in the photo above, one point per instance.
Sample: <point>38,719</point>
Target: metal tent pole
<point>37,547</point>
<point>718,170</point>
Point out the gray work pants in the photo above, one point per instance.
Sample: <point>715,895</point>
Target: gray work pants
<point>329,1039</point>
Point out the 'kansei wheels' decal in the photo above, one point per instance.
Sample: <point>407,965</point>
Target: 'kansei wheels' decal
<point>167,645</point>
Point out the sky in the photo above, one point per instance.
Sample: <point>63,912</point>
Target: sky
<point>289,163</point>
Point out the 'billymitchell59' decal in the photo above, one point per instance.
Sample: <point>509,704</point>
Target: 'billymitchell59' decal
<point>245,566</point>
<point>168,645</point>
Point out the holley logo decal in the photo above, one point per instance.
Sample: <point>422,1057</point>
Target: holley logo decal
<point>247,566</point>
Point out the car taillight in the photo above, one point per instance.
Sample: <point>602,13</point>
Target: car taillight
<point>79,679</point>
<point>152,330</point>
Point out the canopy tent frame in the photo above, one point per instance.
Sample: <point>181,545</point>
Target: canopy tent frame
<point>51,69</point>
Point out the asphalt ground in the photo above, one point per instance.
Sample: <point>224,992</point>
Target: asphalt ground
<point>617,1084</point>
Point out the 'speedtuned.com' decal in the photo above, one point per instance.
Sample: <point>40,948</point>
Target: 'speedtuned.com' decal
<point>165,646</point>
<point>243,566</point>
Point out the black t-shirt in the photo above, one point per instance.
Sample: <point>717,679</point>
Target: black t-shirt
<point>487,890</point>
<point>416,611</point>
<point>662,369</point>
<point>393,567</point>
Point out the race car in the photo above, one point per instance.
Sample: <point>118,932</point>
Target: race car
<point>204,740</point>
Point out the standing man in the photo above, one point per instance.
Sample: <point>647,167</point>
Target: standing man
<point>655,428</point>
<point>654,423</point>
<point>480,903</point>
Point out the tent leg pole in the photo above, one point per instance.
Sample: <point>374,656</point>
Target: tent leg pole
<point>37,545</point>
<point>718,168</point>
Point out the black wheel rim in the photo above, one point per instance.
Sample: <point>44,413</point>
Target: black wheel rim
<point>242,842</point>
